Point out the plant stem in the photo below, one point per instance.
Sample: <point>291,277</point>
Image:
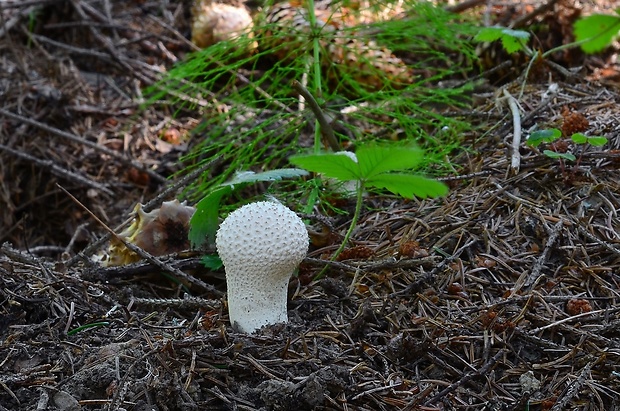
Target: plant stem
<point>316,66</point>
<point>326,129</point>
<point>356,215</point>
<point>315,48</point>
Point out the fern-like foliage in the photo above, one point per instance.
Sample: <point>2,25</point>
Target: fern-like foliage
<point>249,111</point>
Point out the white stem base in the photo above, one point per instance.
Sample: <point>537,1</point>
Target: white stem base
<point>250,311</point>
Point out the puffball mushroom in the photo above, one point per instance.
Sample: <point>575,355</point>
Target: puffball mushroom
<point>213,22</point>
<point>260,245</point>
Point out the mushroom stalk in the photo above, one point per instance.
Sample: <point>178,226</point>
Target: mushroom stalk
<point>260,245</point>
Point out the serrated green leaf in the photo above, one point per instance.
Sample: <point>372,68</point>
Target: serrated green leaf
<point>203,224</point>
<point>517,34</point>
<point>512,40</point>
<point>408,185</point>
<point>555,154</point>
<point>512,44</point>
<point>375,159</point>
<point>597,30</point>
<point>579,138</point>
<point>488,34</point>
<point>543,136</point>
<point>329,164</point>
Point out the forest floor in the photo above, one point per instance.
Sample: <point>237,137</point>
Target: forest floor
<point>504,295</point>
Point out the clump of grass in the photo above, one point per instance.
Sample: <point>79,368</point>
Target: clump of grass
<point>250,111</point>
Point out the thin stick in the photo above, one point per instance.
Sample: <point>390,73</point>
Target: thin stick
<point>569,319</point>
<point>515,159</point>
<point>326,128</point>
<point>607,246</point>
<point>572,390</point>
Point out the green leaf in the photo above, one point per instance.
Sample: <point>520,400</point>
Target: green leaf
<point>543,136</point>
<point>375,159</point>
<point>203,224</point>
<point>212,262</point>
<point>597,141</point>
<point>512,40</point>
<point>579,138</point>
<point>554,154</point>
<point>331,165</point>
<point>408,185</point>
<point>597,30</point>
<point>517,34</point>
<point>245,177</point>
<point>488,34</point>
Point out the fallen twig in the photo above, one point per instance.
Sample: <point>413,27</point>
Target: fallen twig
<point>483,370</point>
<point>515,157</point>
<point>572,389</point>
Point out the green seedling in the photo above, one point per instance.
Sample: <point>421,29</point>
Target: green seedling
<point>548,136</point>
<point>204,222</point>
<point>592,34</point>
<point>376,167</point>
<point>512,40</point>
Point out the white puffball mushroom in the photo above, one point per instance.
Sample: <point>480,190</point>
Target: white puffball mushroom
<point>260,245</point>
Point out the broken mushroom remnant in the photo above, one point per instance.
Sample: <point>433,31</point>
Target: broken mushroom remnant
<point>158,232</point>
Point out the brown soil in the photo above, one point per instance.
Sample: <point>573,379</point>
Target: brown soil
<point>502,296</point>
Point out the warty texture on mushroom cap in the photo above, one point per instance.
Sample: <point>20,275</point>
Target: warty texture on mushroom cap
<point>260,245</point>
<point>263,235</point>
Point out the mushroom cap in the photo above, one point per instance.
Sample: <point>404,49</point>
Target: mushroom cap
<point>260,245</point>
<point>214,22</point>
<point>262,237</point>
